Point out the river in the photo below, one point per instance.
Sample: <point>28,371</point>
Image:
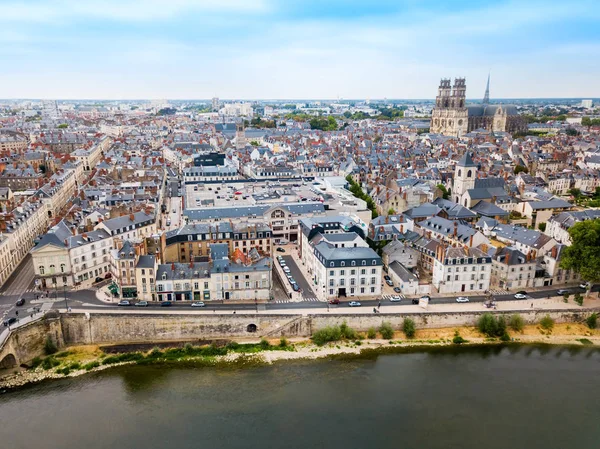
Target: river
<point>486,397</point>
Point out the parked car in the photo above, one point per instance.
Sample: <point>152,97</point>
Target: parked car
<point>564,291</point>
<point>397,290</point>
<point>10,321</point>
<point>415,301</point>
<point>286,269</point>
<point>584,285</point>
<point>20,302</point>
<point>425,298</point>
<point>98,279</point>
<point>389,282</point>
<point>386,277</point>
<point>520,296</point>
<point>281,250</point>
<point>462,299</point>
<point>354,304</point>
<point>395,298</point>
<point>124,302</point>
<point>291,279</point>
<point>522,292</point>
<point>295,287</point>
<point>141,304</point>
<point>334,301</point>
<point>198,304</point>
<point>166,304</point>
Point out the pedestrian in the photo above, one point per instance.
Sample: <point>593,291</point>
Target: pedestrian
<point>532,305</point>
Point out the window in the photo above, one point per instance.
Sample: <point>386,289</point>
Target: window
<point>373,280</point>
<point>331,282</point>
<point>373,270</point>
<point>331,264</point>
<point>342,282</point>
<point>62,267</point>
<point>331,291</point>
<point>352,272</point>
<point>364,262</point>
<point>342,272</point>
<point>353,263</point>
<point>363,271</point>
<point>448,278</point>
<point>41,267</point>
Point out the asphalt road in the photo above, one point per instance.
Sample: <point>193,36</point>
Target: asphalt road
<point>304,284</point>
<point>219,305</point>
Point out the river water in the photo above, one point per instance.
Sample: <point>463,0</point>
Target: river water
<point>491,397</point>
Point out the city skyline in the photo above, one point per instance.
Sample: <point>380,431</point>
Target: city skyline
<point>274,50</point>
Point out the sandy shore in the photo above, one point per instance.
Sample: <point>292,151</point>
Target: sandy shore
<point>562,334</point>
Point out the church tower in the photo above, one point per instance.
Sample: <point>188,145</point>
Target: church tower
<point>464,178</point>
<point>450,115</point>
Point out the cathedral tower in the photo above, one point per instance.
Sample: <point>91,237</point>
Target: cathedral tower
<point>450,116</point>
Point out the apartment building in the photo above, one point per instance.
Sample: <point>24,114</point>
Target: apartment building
<point>461,270</point>
<point>512,269</point>
<point>194,241</point>
<point>64,259</point>
<point>134,227</point>
<point>20,227</point>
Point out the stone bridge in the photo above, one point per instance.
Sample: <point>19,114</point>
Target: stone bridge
<point>22,344</point>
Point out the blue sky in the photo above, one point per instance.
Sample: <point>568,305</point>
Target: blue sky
<point>297,48</point>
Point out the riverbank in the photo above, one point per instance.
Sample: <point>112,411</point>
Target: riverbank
<point>240,353</point>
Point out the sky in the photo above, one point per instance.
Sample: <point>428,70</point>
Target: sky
<point>296,49</point>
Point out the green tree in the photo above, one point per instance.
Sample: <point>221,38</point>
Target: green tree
<point>575,193</point>
<point>592,320</point>
<point>547,323</point>
<point>519,168</point>
<point>516,322</point>
<point>583,256</point>
<point>586,121</point>
<point>409,328</point>
<point>63,126</point>
<point>572,132</point>
<point>542,227</point>
<point>391,211</point>
<point>386,331</point>
<point>445,193</point>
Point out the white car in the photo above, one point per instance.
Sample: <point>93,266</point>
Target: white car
<point>395,298</point>
<point>520,296</point>
<point>462,299</point>
<point>198,304</point>
<point>354,304</point>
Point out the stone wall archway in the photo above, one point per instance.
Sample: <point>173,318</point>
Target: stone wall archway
<point>9,361</point>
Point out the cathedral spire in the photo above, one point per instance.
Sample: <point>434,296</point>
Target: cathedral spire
<point>486,97</point>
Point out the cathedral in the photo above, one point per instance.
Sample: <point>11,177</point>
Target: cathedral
<point>452,117</point>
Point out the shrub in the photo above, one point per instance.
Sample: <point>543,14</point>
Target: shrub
<point>505,336</point>
<point>386,331</point>
<point>566,297</point>
<point>91,365</point>
<point>283,342</point>
<point>66,370</point>
<point>487,324</point>
<point>327,334</point>
<point>155,353</point>
<point>232,345</point>
<point>578,299</point>
<point>50,347</point>
<point>188,347</point>
<point>75,366</point>
<point>547,323</point>
<point>516,322</point>
<point>592,320</point>
<point>264,344</point>
<point>49,363</point>
<point>409,328</point>
<point>347,332</point>
<point>501,326</point>
<point>458,340</point>
<point>372,333</point>
<point>36,362</point>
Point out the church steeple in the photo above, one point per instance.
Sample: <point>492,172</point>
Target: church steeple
<point>486,97</point>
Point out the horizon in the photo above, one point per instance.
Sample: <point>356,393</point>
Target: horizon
<point>132,49</point>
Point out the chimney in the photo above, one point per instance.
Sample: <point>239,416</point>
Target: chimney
<point>402,229</point>
<point>173,266</point>
<point>484,248</point>
<point>471,241</point>
<point>554,252</point>
<point>455,229</point>
<point>131,217</point>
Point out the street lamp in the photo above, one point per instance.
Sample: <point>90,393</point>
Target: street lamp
<point>65,292</point>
